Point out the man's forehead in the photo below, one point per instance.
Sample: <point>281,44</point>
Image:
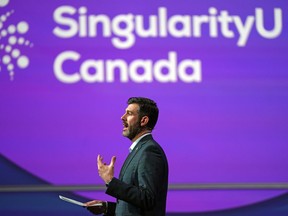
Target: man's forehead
<point>133,107</point>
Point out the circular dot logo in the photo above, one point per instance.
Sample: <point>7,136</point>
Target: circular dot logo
<point>12,44</point>
<point>3,3</point>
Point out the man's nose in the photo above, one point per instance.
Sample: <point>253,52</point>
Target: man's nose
<point>123,116</point>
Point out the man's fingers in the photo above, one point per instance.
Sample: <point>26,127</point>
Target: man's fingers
<point>90,203</point>
<point>99,158</point>
<point>113,160</point>
<point>99,161</point>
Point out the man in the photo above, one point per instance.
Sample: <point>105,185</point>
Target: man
<point>141,188</point>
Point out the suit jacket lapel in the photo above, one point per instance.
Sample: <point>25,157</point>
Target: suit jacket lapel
<point>132,154</point>
<point>127,162</point>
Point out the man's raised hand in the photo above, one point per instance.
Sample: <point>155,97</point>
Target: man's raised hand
<point>106,172</point>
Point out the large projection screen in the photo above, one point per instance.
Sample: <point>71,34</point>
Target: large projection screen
<point>217,70</point>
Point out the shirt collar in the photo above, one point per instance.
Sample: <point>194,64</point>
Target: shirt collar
<point>136,141</point>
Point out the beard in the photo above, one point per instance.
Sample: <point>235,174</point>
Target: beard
<point>133,130</point>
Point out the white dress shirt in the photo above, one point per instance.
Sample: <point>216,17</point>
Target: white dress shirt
<point>136,141</point>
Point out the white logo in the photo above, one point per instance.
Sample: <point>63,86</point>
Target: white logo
<point>11,42</point>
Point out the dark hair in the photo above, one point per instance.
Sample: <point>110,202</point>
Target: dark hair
<point>147,107</point>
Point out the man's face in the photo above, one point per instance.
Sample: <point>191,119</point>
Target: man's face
<point>131,122</point>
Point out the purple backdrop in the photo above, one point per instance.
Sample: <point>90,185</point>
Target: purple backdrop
<point>221,86</point>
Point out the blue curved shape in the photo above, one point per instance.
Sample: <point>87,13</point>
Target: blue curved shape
<point>48,203</point>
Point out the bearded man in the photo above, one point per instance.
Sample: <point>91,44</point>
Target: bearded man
<point>141,188</point>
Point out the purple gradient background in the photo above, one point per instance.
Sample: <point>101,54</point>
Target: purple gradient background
<point>231,127</point>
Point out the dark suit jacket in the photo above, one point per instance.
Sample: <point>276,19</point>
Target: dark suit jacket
<point>142,185</point>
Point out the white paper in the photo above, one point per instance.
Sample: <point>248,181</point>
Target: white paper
<point>77,202</point>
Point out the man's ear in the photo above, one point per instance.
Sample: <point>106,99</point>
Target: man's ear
<point>144,121</point>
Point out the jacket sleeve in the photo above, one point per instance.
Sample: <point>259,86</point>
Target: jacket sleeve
<point>110,209</point>
<point>147,179</point>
